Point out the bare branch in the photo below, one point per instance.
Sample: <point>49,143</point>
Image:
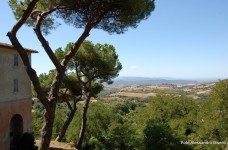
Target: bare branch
<point>44,43</point>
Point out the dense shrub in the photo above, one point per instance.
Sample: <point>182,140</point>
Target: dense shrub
<point>27,142</point>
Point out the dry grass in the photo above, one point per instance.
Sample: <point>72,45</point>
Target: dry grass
<point>204,92</point>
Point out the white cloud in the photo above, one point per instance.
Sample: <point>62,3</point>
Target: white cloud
<point>133,67</point>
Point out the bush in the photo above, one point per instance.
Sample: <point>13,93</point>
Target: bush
<point>158,135</point>
<point>27,142</point>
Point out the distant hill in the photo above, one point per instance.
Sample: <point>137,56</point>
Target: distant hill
<point>128,81</point>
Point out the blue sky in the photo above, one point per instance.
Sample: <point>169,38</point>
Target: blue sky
<point>181,39</point>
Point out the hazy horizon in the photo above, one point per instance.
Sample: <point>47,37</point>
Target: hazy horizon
<point>169,78</point>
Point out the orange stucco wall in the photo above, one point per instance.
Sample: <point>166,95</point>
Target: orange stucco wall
<point>7,111</point>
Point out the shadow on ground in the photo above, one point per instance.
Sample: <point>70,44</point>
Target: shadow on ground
<point>59,149</point>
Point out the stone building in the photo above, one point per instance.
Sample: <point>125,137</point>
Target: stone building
<point>15,96</point>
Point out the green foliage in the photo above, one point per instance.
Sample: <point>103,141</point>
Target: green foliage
<point>161,124</point>
<point>38,107</point>
<point>95,62</point>
<point>122,137</point>
<point>60,114</point>
<point>158,135</point>
<point>113,16</point>
<point>172,119</point>
<point>116,15</point>
<point>48,23</point>
<point>17,7</point>
<point>98,61</point>
<point>105,129</point>
<point>179,112</point>
<point>97,88</point>
<point>172,106</point>
<point>219,96</point>
<point>72,83</point>
<point>37,115</point>
<point>213,117</point>
<point>124,108</point>
<point>36,123</point>
<point>46,81</point>
<point>60,53</point>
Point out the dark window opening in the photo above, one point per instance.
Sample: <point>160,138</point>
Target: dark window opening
<point>15,85</point>
<point>15,62</point>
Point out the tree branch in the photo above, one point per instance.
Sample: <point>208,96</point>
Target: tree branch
<point>76,100</point>
<point>99,18</point>
<point>24,17</point>
<point>77,73</point>
<point>91,90</point>
<point>23,54</point>
<point>69,105</point>
<point>76,46</point>
<point>44,43</point>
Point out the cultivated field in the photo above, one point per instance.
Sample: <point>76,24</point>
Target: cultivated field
<point>144,91</point>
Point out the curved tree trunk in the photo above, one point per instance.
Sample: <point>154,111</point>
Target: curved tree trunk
<point>66,124</point>
<point>84,121</point>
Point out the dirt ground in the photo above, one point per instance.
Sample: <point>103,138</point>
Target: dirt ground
<point>55,145</point>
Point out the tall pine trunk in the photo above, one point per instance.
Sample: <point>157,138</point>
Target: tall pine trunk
<point>84,120</point>
<point>66,125</point>
<point>46,133</point>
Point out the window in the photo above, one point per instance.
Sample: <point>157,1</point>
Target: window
<point>15,62</point>
<point>15,85</point>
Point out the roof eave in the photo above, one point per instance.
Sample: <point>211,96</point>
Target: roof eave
<point>12,47</point>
